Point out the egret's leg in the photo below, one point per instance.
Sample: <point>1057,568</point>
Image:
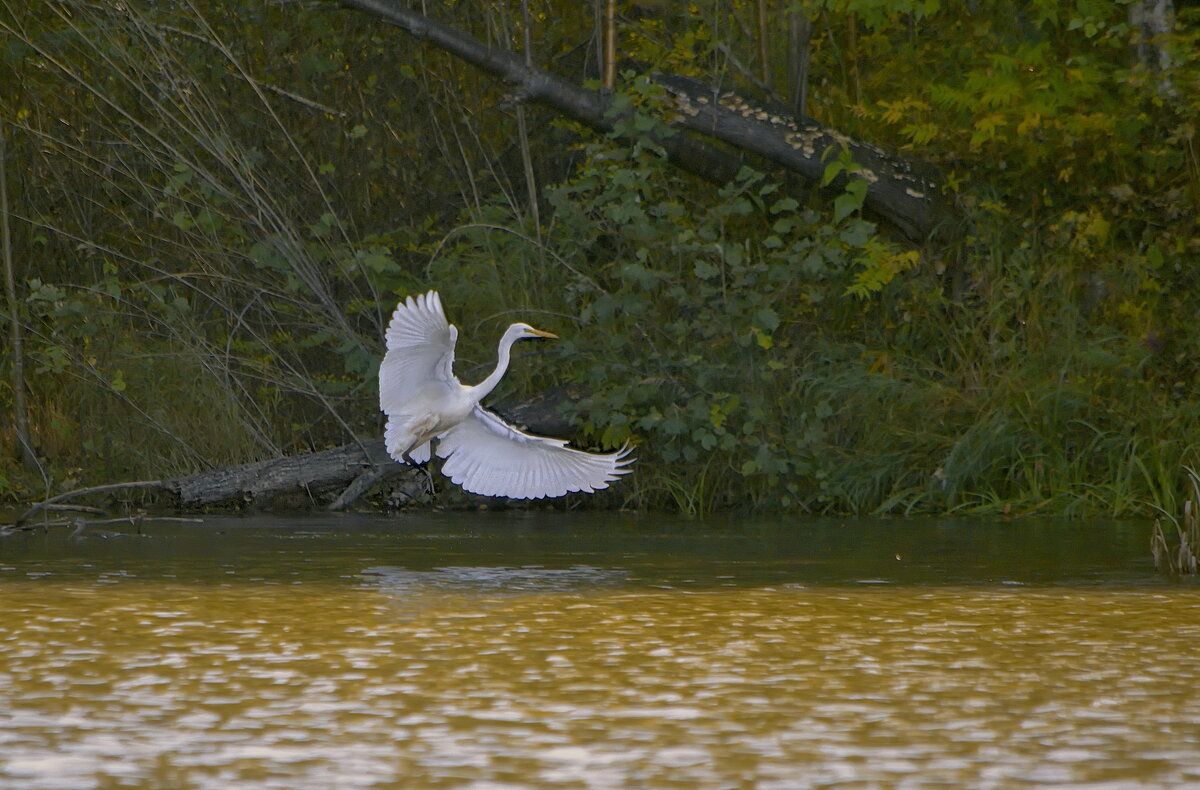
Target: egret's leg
<point>423,466</point>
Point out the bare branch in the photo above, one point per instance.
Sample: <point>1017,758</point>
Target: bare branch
<point>78,492</point>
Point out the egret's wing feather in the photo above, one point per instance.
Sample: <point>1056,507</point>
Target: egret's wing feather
<point>420,352</point>
<point>486,455</point>
<point>420,454</point>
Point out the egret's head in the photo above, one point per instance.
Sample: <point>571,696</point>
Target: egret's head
<point>523,331</point>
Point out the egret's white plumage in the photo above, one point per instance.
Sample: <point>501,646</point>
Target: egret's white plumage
<point>424,400</point>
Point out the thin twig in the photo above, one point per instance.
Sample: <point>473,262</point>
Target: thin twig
<point>81,524</point>
<point>159,484</point>
<point>313,105</point>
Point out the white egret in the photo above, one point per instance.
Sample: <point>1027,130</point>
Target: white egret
<point>424,400</point>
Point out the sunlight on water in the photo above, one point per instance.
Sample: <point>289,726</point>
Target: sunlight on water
<point>507,678</point>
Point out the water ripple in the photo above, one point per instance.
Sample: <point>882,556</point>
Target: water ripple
<point>527,677</point>
<point>494,579</point>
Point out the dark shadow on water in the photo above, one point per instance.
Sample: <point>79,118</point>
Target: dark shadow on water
<point>531,551</point>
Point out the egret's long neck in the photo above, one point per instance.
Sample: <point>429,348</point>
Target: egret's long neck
<point>503,354</point>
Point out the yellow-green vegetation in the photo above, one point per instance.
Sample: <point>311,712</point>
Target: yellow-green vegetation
<point>214,211</point>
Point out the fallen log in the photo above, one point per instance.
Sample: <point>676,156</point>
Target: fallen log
<point>332,479</point>
<point>905,194</point>
<point>311,475</point>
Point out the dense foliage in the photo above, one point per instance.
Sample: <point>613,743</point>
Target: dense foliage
<point>214,210</point>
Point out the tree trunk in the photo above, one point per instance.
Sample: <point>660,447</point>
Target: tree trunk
<point>764,62</point>
<point>900,193</point>
<point>20,413</point>
<point>798,53</point>
<point>1153,20</point>
<point>610,45</point>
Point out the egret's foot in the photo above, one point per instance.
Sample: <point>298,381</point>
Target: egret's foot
<point>424,469</point>
<point>429,487</point>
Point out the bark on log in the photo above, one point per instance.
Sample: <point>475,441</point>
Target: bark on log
<point>308,474</point>
<point>897,192</point>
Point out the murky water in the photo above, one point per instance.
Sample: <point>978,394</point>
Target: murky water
<point>493,651</point>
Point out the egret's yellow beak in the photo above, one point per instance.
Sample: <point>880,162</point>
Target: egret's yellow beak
<point>544,333</point>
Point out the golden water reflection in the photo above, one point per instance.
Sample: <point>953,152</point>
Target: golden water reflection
<point>397,683</point>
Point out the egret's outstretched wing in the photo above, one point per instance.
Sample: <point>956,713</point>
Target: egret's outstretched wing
<point>420,351</point>
<point>486,455</point>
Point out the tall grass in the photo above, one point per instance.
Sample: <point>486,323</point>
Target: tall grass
<point>1180,553</point>
<point>197,276</point>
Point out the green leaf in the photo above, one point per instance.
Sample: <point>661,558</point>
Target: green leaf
<point>857,232</point>
<point>832,171</point>
<point>844,205</point>
<point>321,228</point>
<point>784,204</point>
<point>851,200</point>
<point>766,318</point>
<point>784,225</point>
